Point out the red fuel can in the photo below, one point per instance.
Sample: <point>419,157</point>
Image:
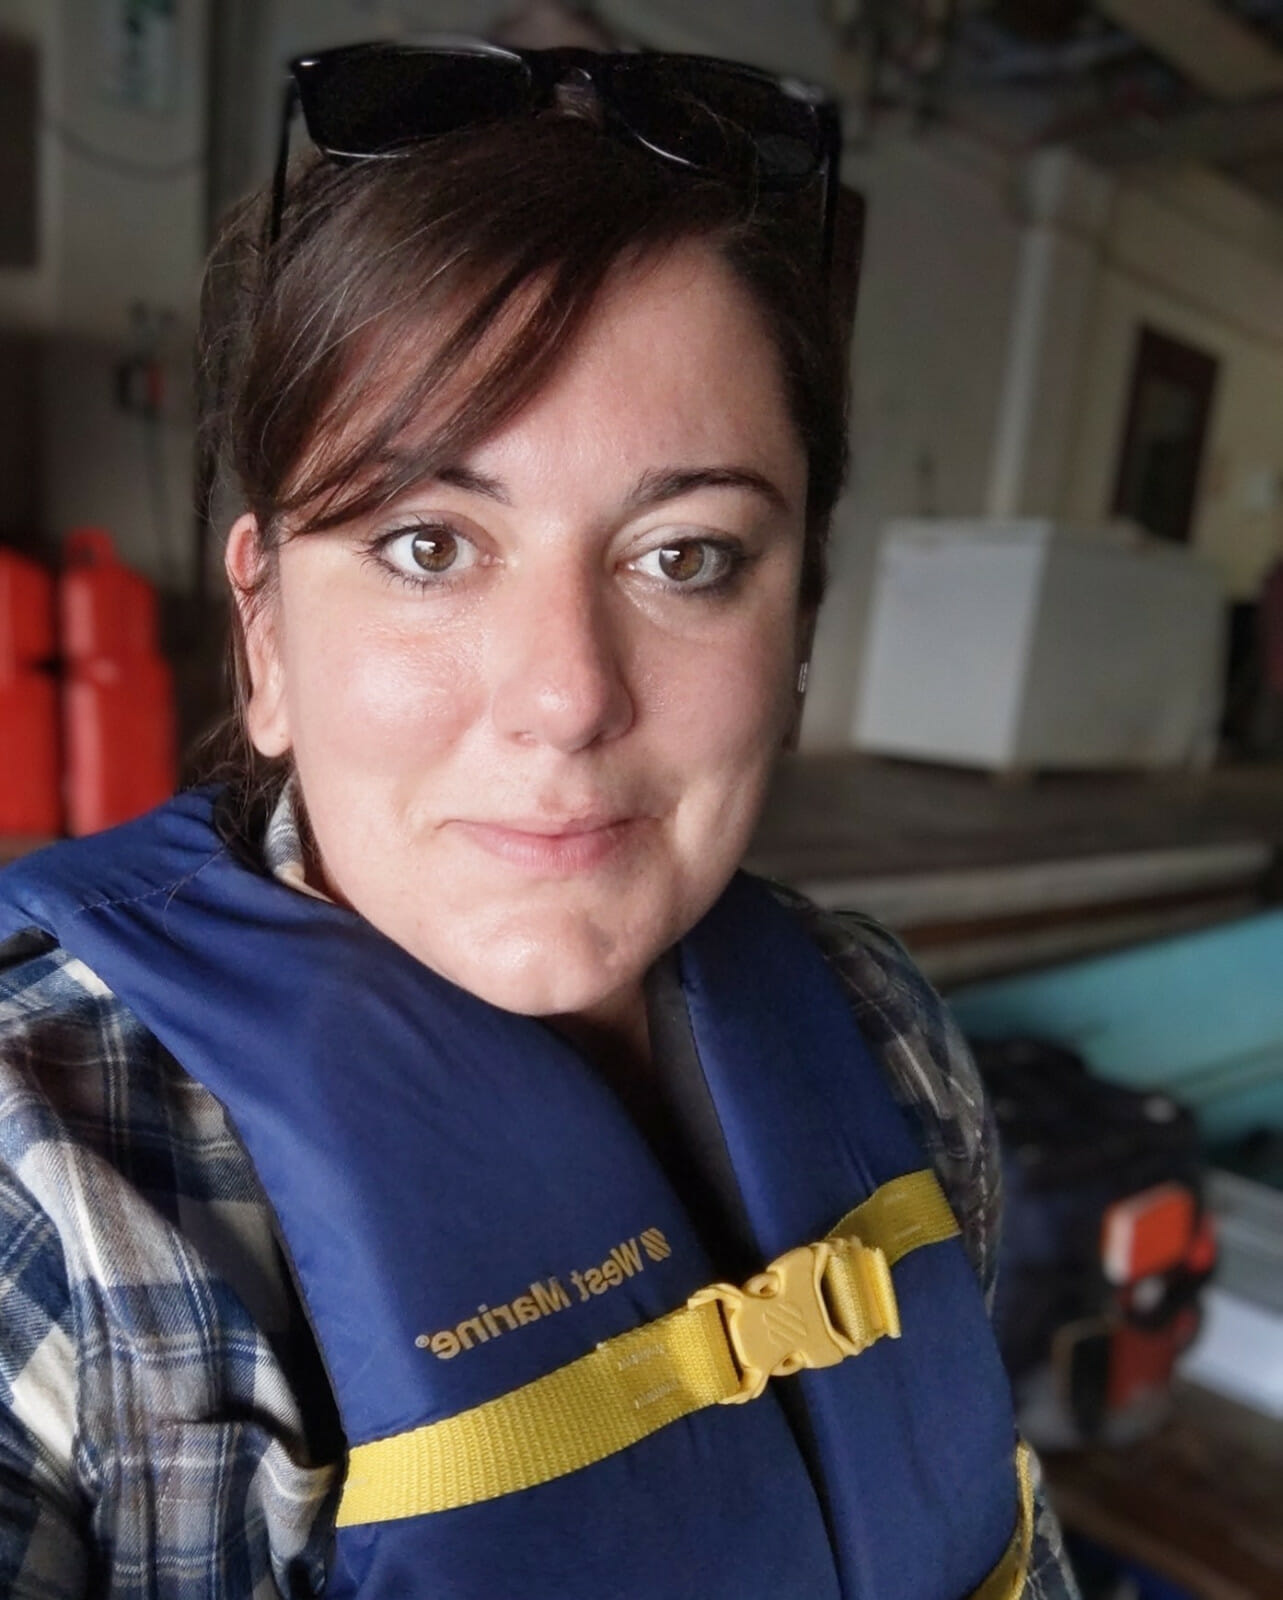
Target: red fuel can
<point>27,635</point>
<point>118,712</point>
<point>108,610</point>
<point>29,790</point>
<point>30,797</point>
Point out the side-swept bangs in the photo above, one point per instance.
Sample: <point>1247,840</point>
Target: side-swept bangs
<point>412,306</point>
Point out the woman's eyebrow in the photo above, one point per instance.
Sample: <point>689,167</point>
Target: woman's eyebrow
<point>669,483</point>
<point>651,489</point>
<point>472,482</point>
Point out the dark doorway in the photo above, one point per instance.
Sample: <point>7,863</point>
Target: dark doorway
<point>1167,412</point>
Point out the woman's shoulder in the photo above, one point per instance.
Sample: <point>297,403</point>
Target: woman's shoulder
<point>38,977</point>
<point>62,1036</point>
<point>130,1159</point>
<point>927,1061</point>
<point>141,1251</point>
<point>100,1122</point>
<point>78,1069</point>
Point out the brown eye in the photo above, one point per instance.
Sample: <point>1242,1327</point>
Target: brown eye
<point>427,555</point>
<point>701,564</point>
<point>683,563</point>
<point>434,552</point>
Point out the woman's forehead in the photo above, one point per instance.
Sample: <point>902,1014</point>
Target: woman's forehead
<point>673,363</point>
<point>674,367</point>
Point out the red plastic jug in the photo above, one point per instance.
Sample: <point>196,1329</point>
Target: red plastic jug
<point>118,713</point>
<point>30,798</point>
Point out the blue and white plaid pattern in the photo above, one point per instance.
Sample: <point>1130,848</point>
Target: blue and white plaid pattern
<point>152,1446</point>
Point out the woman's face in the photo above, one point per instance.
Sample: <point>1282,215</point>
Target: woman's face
<point>533,705</point>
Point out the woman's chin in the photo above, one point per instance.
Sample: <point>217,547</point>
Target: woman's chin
<point>545,989</point>
<point>547,977</point>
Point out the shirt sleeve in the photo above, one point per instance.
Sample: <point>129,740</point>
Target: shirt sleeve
<point>42,1545</point>
<point>929,1067</point>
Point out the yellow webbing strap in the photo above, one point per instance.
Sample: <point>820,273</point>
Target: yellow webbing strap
<point>1007,1580</point>
<point>638,1382</point>
<point>625,1389</point>
<point>901,1216</point>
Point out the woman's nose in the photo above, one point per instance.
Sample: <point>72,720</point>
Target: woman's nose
<point>560,671</point>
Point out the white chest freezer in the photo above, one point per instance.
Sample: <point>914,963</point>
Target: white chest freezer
<point>1022,644</point>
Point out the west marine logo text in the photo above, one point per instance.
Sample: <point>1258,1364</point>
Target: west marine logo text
<point>544,1298</point>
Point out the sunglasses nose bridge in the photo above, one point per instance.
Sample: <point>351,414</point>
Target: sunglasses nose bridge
<point>575,92</point>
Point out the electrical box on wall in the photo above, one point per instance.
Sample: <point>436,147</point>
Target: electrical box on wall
<point>139,64</point>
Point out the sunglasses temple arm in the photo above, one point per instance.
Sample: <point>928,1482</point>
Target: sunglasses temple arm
<point>288,109</point>
<point>831,123</point>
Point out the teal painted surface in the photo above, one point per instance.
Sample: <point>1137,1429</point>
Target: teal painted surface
<point>1199,1016</point>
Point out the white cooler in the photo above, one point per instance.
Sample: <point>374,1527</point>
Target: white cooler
<point>1022,644</point>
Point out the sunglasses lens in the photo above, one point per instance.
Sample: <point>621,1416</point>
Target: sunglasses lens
<point>717,119</point>
<point>372,102</point>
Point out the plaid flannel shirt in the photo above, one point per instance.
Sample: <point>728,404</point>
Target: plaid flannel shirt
<point>154,1439</point>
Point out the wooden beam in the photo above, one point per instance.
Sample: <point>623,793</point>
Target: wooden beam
<point>1226,134</point>
<point>1212,48</point>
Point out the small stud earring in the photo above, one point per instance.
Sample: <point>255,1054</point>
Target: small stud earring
<point>803,673</point>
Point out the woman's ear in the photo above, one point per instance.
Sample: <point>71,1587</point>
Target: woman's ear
<point>257,605</point>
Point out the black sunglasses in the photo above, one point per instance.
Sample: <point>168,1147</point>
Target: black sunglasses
<point>378,100</point>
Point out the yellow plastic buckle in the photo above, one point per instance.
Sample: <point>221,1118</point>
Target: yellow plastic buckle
<point>779,1322</point>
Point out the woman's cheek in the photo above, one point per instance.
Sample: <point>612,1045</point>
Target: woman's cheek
<point>382,694</point>
<point>748,695</point>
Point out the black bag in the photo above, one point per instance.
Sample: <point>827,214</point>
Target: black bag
<point>1076,1151</point>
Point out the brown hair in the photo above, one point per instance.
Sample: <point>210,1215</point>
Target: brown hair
<point>483,250</point>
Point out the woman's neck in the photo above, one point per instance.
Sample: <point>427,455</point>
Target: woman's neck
<point>614,1036</point>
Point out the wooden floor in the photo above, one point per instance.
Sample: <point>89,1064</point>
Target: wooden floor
<point>847,815</point>
<point>1200,1502</point>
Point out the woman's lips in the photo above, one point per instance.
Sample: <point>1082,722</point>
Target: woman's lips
<point>551,848</point>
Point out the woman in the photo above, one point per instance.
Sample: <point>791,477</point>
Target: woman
<point>386,1134</point>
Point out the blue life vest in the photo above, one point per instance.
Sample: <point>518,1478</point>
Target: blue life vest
<point>467,1207</point>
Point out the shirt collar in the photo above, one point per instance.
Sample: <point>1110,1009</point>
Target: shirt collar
<point>283,852</point>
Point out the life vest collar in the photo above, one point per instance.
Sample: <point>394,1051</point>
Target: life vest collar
<point>433,1161</point>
